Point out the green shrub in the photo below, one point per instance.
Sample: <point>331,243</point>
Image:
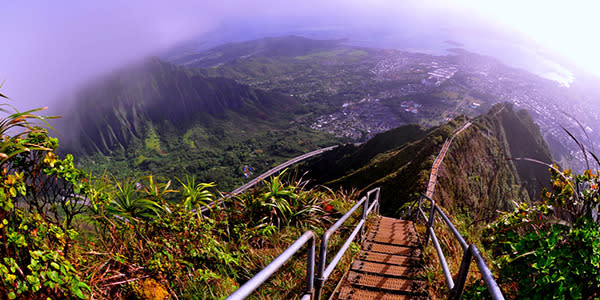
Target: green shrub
<point>37,208</point>
<point>551,250</point>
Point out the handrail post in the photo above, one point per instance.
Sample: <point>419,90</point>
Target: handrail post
<point>310,267</point>
<point>366,206</point>
<point>470,253</point>
<point>429,223</point>
<point>364,214</point>
<point>461,277</point>
<point>377,193</point>
<point>323,271</point>
<point>321,267</point>
<point>420,203</point>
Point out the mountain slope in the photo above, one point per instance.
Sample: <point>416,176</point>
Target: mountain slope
<point>115,110</point>
<point>163,118</point>
<point>477,174</point>
<point>265,47</point>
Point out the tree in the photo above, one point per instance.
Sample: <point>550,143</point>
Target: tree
<point>33,257</point>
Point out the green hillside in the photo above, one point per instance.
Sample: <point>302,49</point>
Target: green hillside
<point>477,173</point>
<point>160,118</point>
<point>265,47</point>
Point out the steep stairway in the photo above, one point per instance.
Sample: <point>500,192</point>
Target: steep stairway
<point>388,266</point>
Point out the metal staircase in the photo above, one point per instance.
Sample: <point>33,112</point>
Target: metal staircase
<point>389,265</point>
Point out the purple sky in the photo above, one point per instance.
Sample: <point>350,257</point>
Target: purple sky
<point>50,48</point>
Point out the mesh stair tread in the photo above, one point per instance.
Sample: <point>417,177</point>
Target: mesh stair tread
<point>392,249</point>
<point>394,239</point>
<point>390,284</point>
<point>388,220</point>
<point>388,266</point>
<point>385,269</point>
<point>348,293</point>
<point>388,258</point>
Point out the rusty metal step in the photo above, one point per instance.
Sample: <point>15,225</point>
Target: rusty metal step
<point>394,285</point>
<point>403,229</point>
<point>384,220</point>
<point>389,259</point>
<point>388,267</point>
<point>394,239</point>
<point>350,293</point>
<point>394,222</point>
<point>392,249</point>
<point>393,234</point>
<point>403,224</point>
<point>385,269</point>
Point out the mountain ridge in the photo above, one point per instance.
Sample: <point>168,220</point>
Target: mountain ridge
<point>479,170</point>
<point>158,117</point>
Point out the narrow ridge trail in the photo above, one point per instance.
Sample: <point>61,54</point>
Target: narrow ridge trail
<point>439,159</point>
<point>389,265</point>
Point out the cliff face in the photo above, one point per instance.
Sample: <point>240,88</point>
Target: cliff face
<point>159,118</point>
<point>125,105</point>
<point>478,174</point>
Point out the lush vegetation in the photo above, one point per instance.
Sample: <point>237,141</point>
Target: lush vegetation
<point>67,233</point>
<point>159,118</point>
<point>551,249</point>
<point>70,234</point>
<point>545,249</point>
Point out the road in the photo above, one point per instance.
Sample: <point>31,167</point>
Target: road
<point>439,159</point>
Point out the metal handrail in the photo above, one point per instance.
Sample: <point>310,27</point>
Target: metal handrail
<point>262,276</point>
<point>470,252</point>
<point>265,175</point>
<point>326,270</point>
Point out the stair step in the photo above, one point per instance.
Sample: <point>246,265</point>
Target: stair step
<point>392,249</point>
<point>385,269</point>
<point>388,220</point>
<point>390,284</point>
<point>388,259</point>
<point>388,267</point>
<point>398,239</point>
<point>349,293</point>
<point>395,229</point>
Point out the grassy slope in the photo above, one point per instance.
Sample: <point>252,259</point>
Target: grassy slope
<point>476,175</point>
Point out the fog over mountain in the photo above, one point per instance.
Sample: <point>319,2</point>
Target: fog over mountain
<point>56,47</point>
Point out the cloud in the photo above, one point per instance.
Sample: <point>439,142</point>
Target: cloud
<point>51,48</point>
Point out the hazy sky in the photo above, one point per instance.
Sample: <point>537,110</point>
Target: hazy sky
<point>49,48</point>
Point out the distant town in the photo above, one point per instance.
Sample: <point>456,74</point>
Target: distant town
<point>464,84</point>
<point>365,91</point>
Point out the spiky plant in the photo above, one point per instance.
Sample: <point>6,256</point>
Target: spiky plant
<point>14,126</point>
<point>278,197</point>
<point>129,201</point>
<point>193,195</point>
